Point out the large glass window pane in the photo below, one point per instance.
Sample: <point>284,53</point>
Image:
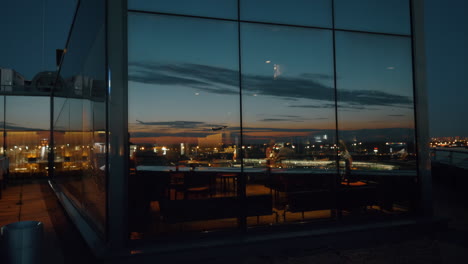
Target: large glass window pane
<point>289,131</point>
<point>27,124</point>
<point>376,120</point>
<point>316,13</point>
<point>2,125</point>
<point>206,8</point>
<point>373,15</point>
<point>183,120</point>
<point>80,116</point>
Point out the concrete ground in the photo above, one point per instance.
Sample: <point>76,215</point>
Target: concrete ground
<point>63,244</point>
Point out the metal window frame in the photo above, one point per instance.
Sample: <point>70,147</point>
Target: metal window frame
<point>421,108</point>
<point>117,44</point>
<point>117,123</point>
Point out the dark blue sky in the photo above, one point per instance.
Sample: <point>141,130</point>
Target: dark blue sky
<point>447,66</point>
<point>28,46</point>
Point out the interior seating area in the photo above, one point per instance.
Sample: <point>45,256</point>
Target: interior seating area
<point>196,200</point>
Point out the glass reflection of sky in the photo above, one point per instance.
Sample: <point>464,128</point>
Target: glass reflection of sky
<point>183,79</point>
<point>387,16</point>
<point>182,76</point>
<point>207,8</point>
<point>85,51</point>
<point>377,70</point>
<point>287,80</point>
<point>316,13</point>
<point>27,113</point>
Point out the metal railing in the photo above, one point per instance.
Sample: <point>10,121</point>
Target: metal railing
<point>457,157</point>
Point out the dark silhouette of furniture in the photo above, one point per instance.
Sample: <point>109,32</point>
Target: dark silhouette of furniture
<point>228,182</point>
<point>193,184</point>
<point>359,196</point>
<point>313,200</point>
<point>144,187</point>
<point>284,185</point>
<point>177,211</point>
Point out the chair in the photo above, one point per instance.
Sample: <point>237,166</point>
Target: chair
<point>176,183</point>
<point>226,179</point>
<point>311,200</point>
<point>195,183</point>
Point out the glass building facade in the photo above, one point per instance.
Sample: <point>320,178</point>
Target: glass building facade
<point>182,119</point>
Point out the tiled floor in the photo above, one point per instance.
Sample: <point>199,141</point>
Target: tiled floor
<point>36,202</point>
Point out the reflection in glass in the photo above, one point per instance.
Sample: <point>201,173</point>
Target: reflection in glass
<point>289,119</point>
<point>376,117</point>
<point>206,8</point>
<point>183,123</point>
<point>316,13</point>
<point>27,127</point>
<point>80,116</point>
<point>2,125</point>
<point>373,15</point>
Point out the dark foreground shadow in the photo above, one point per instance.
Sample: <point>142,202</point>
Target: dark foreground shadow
<point>72,245</point>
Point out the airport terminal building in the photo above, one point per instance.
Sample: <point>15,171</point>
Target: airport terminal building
<point>181,124</point>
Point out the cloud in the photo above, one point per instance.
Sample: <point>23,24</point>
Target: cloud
<point>291,116</point>
<point>163,125</point>
<point>164,79</point>
<point>276,129</point>
<point>202,128</point>
<point>13,126</point>
<point>174,124</point>
<point>341,106</point>
<point>216,90</point>
<point>365,135</point>
<point>280,120</point>
<point>162,134</point>
<point>225,81</point>
<point>314,106</point>
<point>317,76</point>
<point>198,76</point>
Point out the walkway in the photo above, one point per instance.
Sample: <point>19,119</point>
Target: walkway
<point>36,202</point>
